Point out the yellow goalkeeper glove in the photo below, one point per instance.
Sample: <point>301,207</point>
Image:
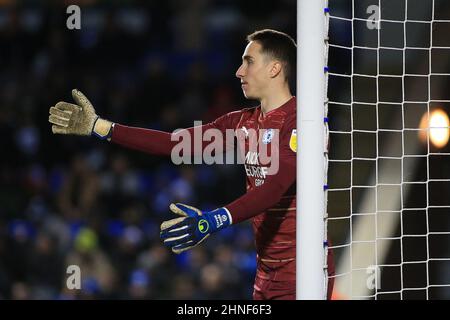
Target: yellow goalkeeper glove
<point>78,119</point>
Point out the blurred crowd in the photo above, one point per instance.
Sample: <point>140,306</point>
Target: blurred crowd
<point>79,201</point>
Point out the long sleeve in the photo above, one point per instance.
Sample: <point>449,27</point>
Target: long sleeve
<point>264,197</point>
<point>146,140</point>
<point>162,143</point>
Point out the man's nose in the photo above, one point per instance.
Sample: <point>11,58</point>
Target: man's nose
<point>239,72</point>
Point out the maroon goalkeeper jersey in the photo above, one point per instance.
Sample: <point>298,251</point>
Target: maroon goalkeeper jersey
<point>270,197</point>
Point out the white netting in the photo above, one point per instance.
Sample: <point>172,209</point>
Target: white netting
<point>389,184</point>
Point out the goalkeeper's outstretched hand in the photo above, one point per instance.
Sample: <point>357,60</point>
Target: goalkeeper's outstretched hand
<point>193,227</point>
<point>78,119</point>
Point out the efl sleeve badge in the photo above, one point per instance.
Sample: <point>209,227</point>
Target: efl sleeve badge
<point>293,140</point>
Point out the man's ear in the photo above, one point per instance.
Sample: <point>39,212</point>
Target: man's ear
<point>275,69</point>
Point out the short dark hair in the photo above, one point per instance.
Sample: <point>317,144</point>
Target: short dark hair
<point>280,46</point>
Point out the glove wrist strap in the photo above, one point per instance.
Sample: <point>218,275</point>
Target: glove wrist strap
<point>219,218</point>
<point>102,129</point>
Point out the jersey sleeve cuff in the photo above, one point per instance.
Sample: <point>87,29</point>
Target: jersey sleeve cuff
<point>230,217</point>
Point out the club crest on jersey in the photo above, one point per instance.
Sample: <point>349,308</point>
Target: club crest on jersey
<point>267,136</point>
<point>293,140</point>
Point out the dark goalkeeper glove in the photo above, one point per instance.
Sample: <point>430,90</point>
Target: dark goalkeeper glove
<point>78,119</point>
<point>193,227</point>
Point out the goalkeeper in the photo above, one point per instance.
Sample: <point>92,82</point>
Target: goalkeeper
<point>268,67</point>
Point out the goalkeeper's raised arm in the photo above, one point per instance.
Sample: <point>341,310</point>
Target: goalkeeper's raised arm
<point>81,119</point>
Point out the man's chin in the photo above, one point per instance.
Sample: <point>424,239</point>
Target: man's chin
<point>249,96</point>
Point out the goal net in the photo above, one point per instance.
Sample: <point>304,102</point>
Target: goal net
<point>388,190</point>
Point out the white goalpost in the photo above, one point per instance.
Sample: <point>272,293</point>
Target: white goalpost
<point>378,71</point>
<point>310,170</point>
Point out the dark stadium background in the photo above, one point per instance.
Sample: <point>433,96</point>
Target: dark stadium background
<point>75,200</point>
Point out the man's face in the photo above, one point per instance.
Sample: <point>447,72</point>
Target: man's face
<point>254,71</point>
